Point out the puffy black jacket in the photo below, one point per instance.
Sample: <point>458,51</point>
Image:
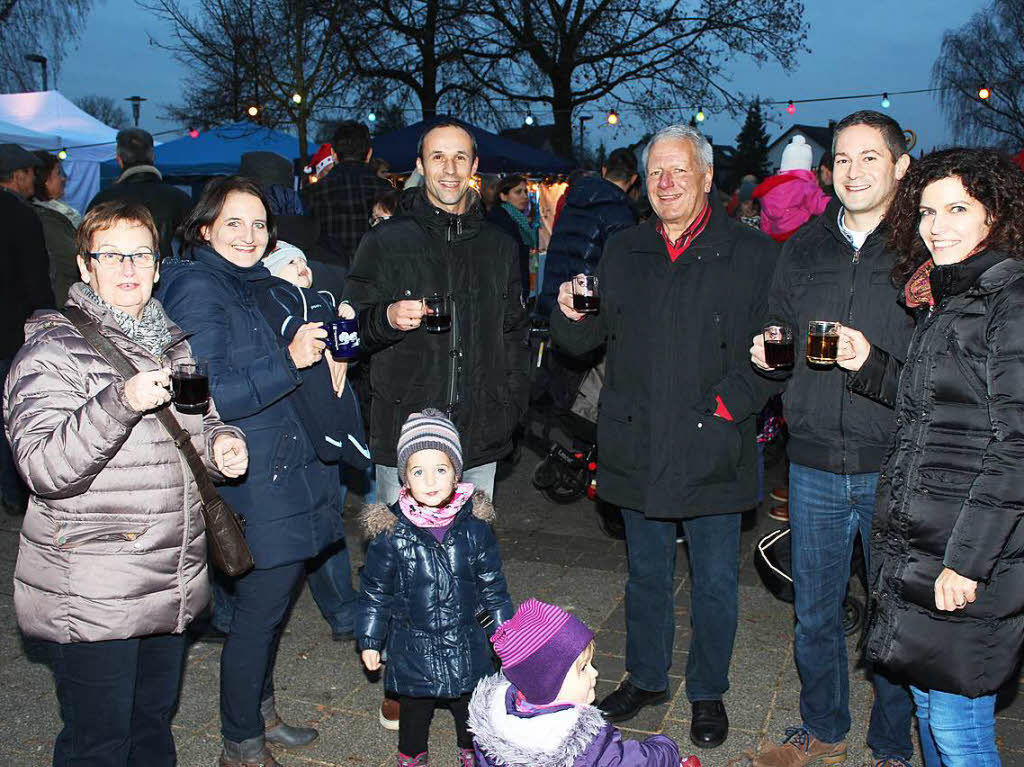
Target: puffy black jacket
<point>677,335</point>
<point>479,370</point>
<point>595,209</point>
<point>950,493</point>
<point>821,277</point>
<point>419,598</point>
<point>169,205</point>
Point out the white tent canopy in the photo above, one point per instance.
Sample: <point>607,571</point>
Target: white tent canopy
<point>47,120</point>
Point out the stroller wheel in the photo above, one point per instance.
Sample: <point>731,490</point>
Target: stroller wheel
<point>545,474</point>
<point>853,615</point>
<point>568,485</point>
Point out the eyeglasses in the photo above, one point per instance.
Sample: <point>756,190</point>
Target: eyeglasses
<point>144,260</point>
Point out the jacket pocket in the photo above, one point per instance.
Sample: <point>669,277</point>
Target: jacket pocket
<point>615,431</point>
<point>713,447</point>
<point>107,536</point>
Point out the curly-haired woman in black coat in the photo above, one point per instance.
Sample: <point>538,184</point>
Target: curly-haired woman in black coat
<point>947,545</point>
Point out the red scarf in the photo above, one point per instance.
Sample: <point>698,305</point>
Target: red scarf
<point>677,248</point>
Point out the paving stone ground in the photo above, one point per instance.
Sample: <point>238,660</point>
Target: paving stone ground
<point>555,553</point>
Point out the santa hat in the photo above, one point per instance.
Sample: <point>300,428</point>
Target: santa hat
<point>796,155</point>
<point>322,160</point>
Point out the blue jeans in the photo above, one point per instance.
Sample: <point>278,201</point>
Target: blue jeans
<point>714,549</point>
<point>117,699</point>
<point>261,603</point>
<point>956,731</point>
<point>826,512</point>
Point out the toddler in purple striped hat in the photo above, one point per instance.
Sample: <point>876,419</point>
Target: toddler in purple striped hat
<point>432,564</point>
<point>537,712</point>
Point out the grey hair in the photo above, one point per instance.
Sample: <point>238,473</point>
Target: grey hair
<point>683,131</point>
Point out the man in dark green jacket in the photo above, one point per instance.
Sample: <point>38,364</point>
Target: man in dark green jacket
<point>477,372</point>
<point>681,295</point>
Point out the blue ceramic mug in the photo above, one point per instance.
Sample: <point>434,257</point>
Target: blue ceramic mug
<point>343,338</point>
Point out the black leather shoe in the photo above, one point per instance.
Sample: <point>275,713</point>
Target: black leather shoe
<point>626,702</point>
<point>709,725</point>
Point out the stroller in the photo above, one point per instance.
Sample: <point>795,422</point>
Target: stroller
<point>564,473</point>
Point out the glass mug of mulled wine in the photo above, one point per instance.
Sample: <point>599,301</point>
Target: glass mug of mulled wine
<point>438,318</point>
<point>190,386</point>
<point>585,298</point>
<point>778,346</point>
<point>343,338</point>
<point>822,342</point>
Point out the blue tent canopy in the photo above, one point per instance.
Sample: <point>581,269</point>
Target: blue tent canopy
<point>497,154</point>
<point>219,151</point>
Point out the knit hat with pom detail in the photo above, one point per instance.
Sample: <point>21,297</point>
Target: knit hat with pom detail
<point>538,646</point>
<point>429,430</point>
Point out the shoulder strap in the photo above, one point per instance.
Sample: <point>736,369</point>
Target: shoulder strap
<point>182,440</point>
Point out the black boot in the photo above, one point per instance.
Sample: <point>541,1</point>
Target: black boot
<point>282,734</point>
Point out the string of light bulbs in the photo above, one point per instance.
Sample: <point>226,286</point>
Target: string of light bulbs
<point>612,117</point>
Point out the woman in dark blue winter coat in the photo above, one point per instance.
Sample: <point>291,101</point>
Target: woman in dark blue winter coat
<point>290,499</point>
<point>432,563</point>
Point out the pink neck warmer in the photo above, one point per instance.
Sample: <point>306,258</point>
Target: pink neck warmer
<point>429,516</point>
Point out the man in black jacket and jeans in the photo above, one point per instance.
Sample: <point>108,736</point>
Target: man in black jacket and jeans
<point>837,268</point>
<point>439,242</point>
<point>680,297</point>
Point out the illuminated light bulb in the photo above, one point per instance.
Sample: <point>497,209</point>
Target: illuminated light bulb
<point>700,115</point>
<point>529,119</point>
<point>62,154</point>
<point>297,98</point>
<point>885,101</point>
<point>372,117</point>
<point>791,108</point>
<point>613,118</point>
<point>984,93</point>
<point>253,111</point>
<point>193,133</point>
<point>313,179</point>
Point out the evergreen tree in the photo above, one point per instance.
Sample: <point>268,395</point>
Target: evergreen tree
<point>751,146</point>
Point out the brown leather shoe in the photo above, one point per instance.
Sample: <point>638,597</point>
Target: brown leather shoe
<point>249,753</point>
<point>801,749</point>
<point>388,716</point>
<point>779,513</point>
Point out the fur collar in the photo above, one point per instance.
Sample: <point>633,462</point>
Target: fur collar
<point>555,739</point>
<point>378,518</point>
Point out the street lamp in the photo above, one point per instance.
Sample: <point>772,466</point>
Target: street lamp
<point>583,119</point>
<point>136,102</point>
<point>39,59</point>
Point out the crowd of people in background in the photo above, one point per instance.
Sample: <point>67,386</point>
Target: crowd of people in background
<point>909,438</point>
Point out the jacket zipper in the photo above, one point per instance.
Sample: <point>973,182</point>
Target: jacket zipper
<point>848,321</point>
<point>454,353</point>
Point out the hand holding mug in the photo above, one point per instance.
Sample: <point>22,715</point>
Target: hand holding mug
<point>757,352</point>
<point>406,315</point>
<point>854,349</point>
<point>565,302</point>
<point>307,347</point>
<point>148,390</point>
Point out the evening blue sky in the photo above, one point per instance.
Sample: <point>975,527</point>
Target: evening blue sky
<point>855,47</point>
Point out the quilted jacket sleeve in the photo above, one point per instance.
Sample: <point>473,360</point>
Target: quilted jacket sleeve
<point>61,437</point>
<point>490,579</point>
<point>376,593</point>
<point>878,378</point>
<point>195,304</point>
<point>995,503</point>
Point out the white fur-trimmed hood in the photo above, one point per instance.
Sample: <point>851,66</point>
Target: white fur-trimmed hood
<point>555,739</point>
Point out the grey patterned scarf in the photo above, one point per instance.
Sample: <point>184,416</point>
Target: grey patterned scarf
<point>150,331</point>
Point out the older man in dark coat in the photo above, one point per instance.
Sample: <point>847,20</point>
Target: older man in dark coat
<point>681,294</point>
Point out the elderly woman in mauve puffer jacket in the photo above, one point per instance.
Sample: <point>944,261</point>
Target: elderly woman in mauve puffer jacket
<point>112,561</point>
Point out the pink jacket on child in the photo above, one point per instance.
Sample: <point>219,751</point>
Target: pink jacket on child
<point>788,200</point>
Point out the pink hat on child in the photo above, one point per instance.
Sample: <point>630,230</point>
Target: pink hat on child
<point>537,646</point>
